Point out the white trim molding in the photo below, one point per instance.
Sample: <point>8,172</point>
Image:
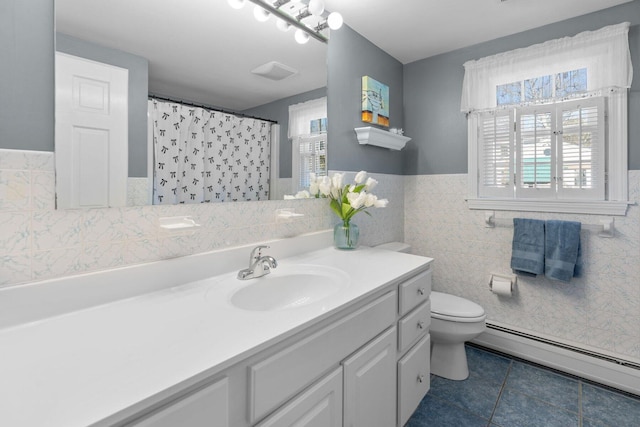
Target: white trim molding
<point>577,363</point>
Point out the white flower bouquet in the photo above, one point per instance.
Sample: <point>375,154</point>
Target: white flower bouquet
<point>346,199</point>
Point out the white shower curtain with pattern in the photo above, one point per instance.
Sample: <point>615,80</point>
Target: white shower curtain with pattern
<point>203,156</point>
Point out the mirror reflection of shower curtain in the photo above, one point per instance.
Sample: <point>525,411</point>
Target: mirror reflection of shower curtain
<point>206,156</point>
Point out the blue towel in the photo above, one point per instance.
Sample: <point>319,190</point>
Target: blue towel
<point>562,249</point>
<point>527,249</point>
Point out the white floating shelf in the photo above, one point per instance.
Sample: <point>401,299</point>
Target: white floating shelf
<point>382,138</point>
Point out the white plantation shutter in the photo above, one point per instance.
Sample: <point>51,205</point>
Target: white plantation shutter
<point>535,176</point>
<point>496,148</point>
<point>581,160</point>
<point>311,158</point>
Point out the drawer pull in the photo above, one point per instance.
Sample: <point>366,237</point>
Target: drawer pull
<point>421,291</point>
<point>420,378</point>
<point>421,325</point>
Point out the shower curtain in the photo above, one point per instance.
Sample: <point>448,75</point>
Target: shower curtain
<point>206,156</point>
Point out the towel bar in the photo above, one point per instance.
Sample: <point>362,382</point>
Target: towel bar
<point>606,228</point>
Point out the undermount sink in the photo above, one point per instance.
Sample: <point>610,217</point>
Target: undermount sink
<point>289,286</point>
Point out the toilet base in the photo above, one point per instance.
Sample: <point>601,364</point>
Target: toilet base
<point>449,360</point>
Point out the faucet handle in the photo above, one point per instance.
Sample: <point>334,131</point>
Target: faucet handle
<point>253,255</point>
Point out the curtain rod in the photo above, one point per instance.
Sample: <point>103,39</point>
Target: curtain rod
<point>206,107</point>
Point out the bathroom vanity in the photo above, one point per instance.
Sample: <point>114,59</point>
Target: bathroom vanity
<point>202,353</point>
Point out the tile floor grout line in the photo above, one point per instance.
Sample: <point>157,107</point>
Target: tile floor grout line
<point>502,387</point>
<point>579,403</point>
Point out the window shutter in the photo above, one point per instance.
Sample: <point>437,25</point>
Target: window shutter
<point>310,156</point>
<point>581,154</point>
<point>535,176</point>
<point>496,143</point>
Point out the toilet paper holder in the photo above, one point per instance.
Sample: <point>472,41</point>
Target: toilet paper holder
<point>511,278</point>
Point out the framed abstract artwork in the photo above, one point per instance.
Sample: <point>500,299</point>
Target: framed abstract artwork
<point>375,102</point>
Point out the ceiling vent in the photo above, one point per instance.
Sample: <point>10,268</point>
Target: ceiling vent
<point>274,70</point>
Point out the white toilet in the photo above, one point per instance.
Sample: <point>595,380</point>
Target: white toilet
<point>454,321</point>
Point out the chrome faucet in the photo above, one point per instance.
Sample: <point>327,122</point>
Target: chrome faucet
<point>259,265</point>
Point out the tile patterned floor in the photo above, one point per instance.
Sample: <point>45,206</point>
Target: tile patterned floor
<point>504,392</point>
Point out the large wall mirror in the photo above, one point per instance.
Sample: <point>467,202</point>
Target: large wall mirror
<point>198,51</point>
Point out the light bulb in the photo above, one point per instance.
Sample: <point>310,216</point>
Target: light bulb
<point>236,4</point>
<point>260,14</point>
<point>335,20</point>
<point>316,7</point>
<point>301,36</point>
<point>283,25</point>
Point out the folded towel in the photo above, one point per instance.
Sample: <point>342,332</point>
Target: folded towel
<point>562,249</point>
<point>527,250</point>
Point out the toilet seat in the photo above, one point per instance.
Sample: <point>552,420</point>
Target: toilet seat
<point>455,309</point>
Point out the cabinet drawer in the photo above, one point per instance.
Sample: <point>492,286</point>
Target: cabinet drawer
<point>280,376</point>
<point>413,379</point>
<point>414,291</point>
<point>320,405</point>
<point>414,325</point>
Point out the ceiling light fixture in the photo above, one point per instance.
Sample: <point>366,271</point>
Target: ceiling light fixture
<point>283,25</point>
<point>301,36</point>
<point>335,20</point>
<point>316,7</point>
<point>290,13</point>
<point>261,14</point>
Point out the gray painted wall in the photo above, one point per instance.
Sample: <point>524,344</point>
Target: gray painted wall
<point>433,87</point>
<point>351,56</point>
<point>138,92</point>
<point>26,75</point>
<point>278,111</point>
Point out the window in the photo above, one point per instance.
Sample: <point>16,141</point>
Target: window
<point>310,156</point>
<point>308,134</point>
<point>548,125</point>
<point>553,152</point>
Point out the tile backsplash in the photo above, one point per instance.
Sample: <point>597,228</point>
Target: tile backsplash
<point>599,310</point>
<point>38,242</point>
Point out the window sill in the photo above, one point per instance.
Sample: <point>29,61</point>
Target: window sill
<point>533,205</point>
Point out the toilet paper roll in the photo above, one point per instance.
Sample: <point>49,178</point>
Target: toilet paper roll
<point>501,287</point>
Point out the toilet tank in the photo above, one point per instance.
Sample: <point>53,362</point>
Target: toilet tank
<point>395,246</point>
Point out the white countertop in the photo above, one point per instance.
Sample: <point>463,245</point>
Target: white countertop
<point>78,368</point>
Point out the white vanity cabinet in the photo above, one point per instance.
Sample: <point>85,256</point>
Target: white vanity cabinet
<point>280,376</point>
<point>365,366</point>
<point>208,406</point>
<point>319,406</point>
<point>370,383</point>
<point>414,311</point>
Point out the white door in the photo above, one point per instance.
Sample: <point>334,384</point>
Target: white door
<point>91,145</point>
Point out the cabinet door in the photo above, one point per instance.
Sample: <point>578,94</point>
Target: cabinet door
<point>319,406</point>
<point>413,379</point>
<point>206,407</point>
<point>370,383</point>
<point>281,376</point>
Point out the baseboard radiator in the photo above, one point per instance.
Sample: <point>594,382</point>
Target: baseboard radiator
<point>605,369</point>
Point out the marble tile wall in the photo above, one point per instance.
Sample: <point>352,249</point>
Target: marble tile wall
<point>599,311</point>
<point>38,242</point>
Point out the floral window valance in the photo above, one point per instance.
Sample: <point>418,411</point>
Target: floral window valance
<point>603,53</point>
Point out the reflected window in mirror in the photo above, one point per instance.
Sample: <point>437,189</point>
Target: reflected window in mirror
<point>308,135</point>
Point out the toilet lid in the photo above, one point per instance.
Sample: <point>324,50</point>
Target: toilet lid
<point>453,306</point>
